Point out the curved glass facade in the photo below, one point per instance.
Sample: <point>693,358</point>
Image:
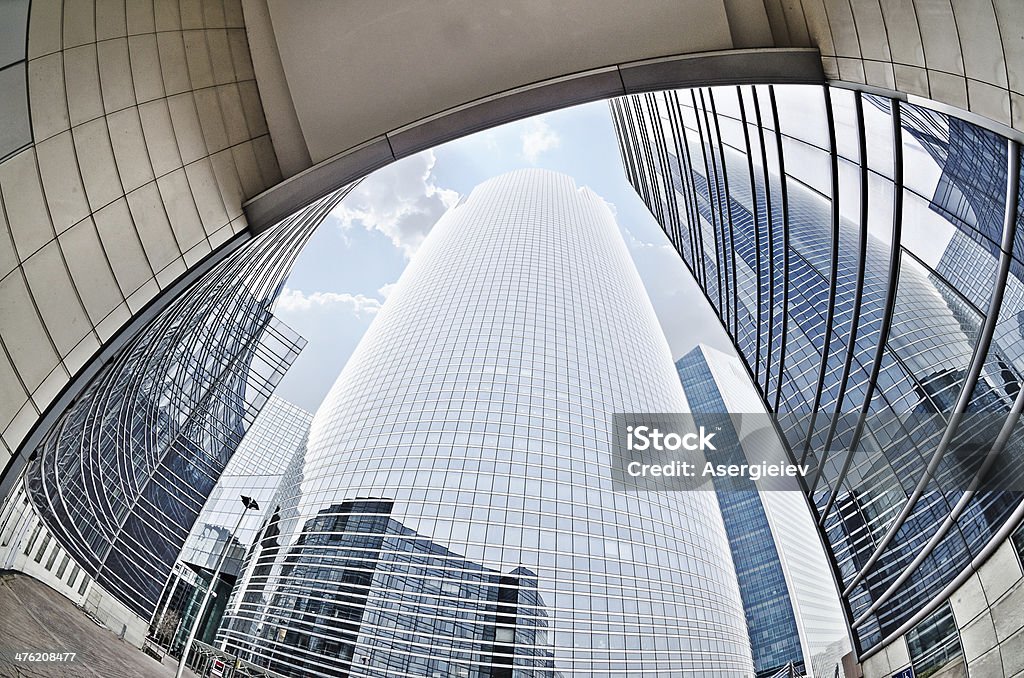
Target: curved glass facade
<point>256,470</point>
<point>122,476</point>
<point>454,514</point>
<point>865,257</point>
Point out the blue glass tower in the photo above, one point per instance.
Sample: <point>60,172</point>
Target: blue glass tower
<point>771,623</point>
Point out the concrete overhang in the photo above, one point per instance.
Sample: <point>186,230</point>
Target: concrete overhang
<point>348,87</point>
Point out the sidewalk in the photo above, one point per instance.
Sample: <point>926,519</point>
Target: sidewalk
<point>37,619</point>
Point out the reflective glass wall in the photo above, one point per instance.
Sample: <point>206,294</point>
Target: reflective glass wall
<point>255,471</point>
<point>864,254</point>
<point>121,477</point>
<point>454,514</point>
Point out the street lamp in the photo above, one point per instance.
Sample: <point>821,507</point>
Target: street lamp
<point>249,503</point>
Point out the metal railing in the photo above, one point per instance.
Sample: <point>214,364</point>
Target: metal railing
<point>787,671</point>
<point>207,661</point>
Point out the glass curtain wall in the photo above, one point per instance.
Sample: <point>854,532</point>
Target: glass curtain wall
<point>454,514</point>
<point>122,476</point>
<point>865,256</point>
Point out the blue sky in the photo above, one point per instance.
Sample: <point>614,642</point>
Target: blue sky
<point>342,277</point>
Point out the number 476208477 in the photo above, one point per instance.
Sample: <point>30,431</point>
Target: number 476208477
<point>44,656</point>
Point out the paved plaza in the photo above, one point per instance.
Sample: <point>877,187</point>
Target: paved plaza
<point>36,619</point>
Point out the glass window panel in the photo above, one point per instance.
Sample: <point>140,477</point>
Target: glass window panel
<point>809,164</point>
<point>765,102</point>
<point>802,113</point>
<point>726,102</point>
<point>878,133</point>
<point>844,111</point>
<point>921,173</point>
<point>934,644</point>
<point>849,192</point>
<point>880,206</point>
<point>926,234</point>
<point>732,133</point>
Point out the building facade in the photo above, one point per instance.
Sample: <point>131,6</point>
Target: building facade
<point>120,479</point>
<point>473,425</point>
<point>793,613</point>
<point>826,228</point>
<point>255,470</point>
<point>364,603</point>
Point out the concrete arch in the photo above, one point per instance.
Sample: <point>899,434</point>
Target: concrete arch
<point>160,130</point>
<point>539,57</point>
<point>147,134</point>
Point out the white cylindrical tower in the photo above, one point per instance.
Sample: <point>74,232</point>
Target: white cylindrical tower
<point>455,515</point>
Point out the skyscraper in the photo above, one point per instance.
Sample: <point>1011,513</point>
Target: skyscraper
<point>792,608</point>
<point>465,448</point>
<point>255,470</point>
<point>857,251</point>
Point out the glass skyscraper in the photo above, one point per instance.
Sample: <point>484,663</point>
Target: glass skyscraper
<point>454,512</point>
<point>256,471</point>
<point>771,623</point>
<point>863,254</point>
<point>792,608</point>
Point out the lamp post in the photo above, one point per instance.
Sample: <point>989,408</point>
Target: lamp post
<point>249,503</point>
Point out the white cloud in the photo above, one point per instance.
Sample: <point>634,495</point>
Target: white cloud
<point>385,290</point>
<point>538,138</point>
<point>402,201</point>
<point>638,245</point>
<point>298,301</point>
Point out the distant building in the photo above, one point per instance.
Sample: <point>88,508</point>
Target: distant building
<point>255,470</point>
<point>372,588</point>
<point>792,610</point>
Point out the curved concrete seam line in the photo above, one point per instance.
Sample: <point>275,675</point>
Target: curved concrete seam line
<point>760,66</point>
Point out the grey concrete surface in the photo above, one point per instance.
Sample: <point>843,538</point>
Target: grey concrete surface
<point>36,619</point>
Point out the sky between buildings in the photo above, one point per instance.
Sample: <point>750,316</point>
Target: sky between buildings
<point>343,276</point>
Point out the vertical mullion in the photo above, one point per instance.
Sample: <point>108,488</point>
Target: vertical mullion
<point>769,223</point>
<point>711,200</point>
<point>731,249</point>
<point>890,304</point>
<point>833,271</point>
<point>757,236</point>
<point>785,247</point>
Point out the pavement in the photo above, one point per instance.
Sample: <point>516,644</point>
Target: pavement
<point>36,619</point>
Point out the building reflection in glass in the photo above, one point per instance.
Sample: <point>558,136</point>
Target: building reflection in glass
<point>123,474</point>
<point>372,589</point>
<point>256,470</point>
<point>864,255</point>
